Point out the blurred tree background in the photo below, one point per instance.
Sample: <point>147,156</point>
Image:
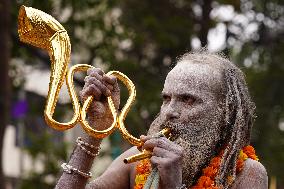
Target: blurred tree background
<point>142,39</point>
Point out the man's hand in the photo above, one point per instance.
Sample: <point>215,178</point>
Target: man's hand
<point>100,86</point>
<point>167,156</point>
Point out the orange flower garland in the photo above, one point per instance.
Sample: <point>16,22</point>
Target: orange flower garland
<point>206,181</point>
<point>209,173</point>
<point>143,170</point>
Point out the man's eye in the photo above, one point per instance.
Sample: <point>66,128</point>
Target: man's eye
<point>166,98</point>
<point>188,99</point>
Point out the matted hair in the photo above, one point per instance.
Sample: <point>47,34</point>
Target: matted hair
<point>238,107</point>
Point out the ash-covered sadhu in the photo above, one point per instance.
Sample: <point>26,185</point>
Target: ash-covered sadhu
<point>207,105</point>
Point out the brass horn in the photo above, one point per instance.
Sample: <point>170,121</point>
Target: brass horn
<point>43,31</point>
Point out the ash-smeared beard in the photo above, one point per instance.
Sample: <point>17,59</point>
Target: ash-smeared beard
<point>198,139</point>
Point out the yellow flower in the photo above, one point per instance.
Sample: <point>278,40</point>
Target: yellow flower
<point>141,179</point>
<point>242,155</point>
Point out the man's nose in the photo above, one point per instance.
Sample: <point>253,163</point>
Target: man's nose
<point>172,112</point>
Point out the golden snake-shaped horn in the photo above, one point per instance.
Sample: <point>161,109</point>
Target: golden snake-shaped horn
<point>42,30</point>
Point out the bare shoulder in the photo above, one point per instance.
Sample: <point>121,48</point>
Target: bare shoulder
<point>117,175</point>
<point>253,176</point>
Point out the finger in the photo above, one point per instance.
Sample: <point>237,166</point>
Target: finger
<point>93,80</point>
<point>110,87</point>
<point>156,160</point>
<point>89,90</point>
<point>92,90</point>
<point>164,143</point>
<point>160,152</point>
<point>90,80</point>
<point>93,71</point>
<point>83,95</point>
<point>143,138</point>
<point>94,75</point>
<point>162,158</point>
<point>103,88</point>
<point>99,85</point>
<point>155,142</point>
<point>109,79</point>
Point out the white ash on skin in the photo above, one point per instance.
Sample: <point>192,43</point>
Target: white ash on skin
<point>207,104</point>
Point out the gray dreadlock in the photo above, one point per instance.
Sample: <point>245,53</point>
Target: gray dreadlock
<point>238,108</point>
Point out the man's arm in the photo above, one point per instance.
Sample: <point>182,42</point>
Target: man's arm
<point>253,176</point>
<point>81,161</point>
<point>117,175</point>
<point>100,86</point>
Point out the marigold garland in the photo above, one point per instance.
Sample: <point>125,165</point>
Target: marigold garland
<point>206,181</point>
<point>143,170</point>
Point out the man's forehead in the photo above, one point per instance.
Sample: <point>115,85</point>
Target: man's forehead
<point>187,76</point>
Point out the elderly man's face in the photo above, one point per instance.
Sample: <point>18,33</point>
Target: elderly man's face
<point>191,91</point>
<point>191,106</point>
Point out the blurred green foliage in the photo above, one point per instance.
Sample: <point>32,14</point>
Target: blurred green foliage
<point>50,154</point>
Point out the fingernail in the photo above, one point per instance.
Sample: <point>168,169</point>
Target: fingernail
<point>108,93</point>
<point>143,137</point>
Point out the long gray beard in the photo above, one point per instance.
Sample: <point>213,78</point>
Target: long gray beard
<point>198,139</point>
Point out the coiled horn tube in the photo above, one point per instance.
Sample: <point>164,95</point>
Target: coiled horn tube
<point>43,31</point>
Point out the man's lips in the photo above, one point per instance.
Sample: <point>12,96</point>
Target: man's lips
<point>175,129</point>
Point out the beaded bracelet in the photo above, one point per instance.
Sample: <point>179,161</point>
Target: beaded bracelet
<point>80,140</point>
<point>69,169</point>
<point>80,143</point>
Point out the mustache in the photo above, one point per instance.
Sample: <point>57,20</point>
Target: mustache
<point>179,129</point>
<point>180,134</point>
<point>176,128</point>
<point>172,125</point>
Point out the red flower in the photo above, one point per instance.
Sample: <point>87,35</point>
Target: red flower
<point>250,152</point>
<point>209,172</point>
<point>204,181</point>
<point>215,162</point>
<point>143,167</point>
